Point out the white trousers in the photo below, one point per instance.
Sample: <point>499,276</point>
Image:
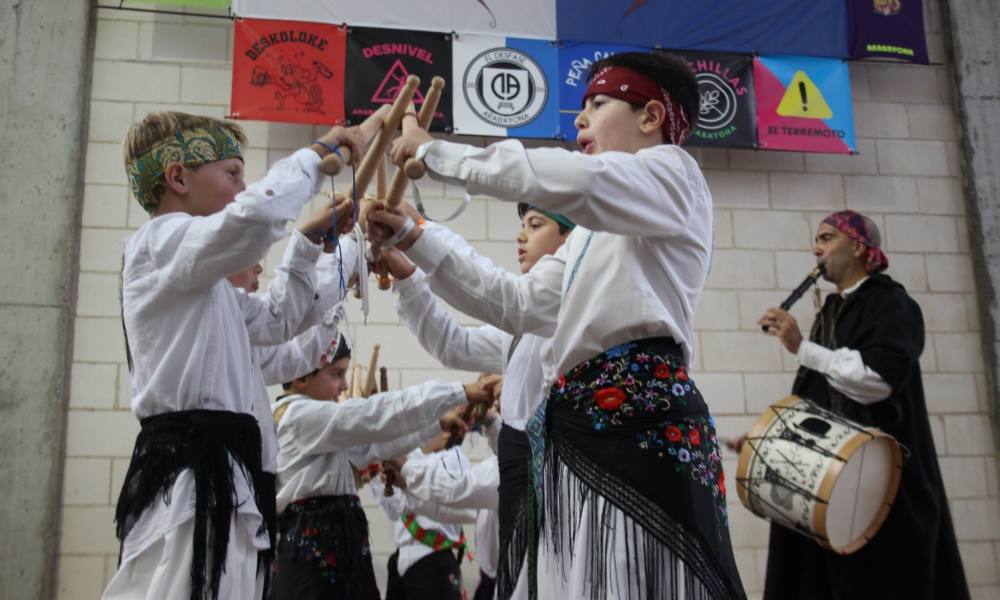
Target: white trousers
<point>163,570</point>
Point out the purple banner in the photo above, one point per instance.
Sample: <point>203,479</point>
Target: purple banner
<point>888,29</point>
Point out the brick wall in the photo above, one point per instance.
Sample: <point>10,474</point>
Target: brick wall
<point>767,206</point>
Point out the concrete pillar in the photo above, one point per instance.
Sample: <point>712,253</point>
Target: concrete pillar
<point>974,27</point>
<point>44,73</point>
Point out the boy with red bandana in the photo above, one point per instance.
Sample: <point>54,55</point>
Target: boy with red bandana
<point>627,508</point>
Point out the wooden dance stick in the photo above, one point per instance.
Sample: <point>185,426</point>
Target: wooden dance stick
<point>356,381</point>
<point>370,388</point>
<point>366,172</point>
<point>392,199</point>
<point>414,168</point>
<point>333,164</point>
<point>381,181</point>
<point>383,379</point>
<point>399,180</point>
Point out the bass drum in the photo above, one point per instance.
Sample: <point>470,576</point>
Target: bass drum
<point>819,474</point>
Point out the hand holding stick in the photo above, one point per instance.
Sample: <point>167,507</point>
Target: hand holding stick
<point>350,141</point>
<point>415,169</point>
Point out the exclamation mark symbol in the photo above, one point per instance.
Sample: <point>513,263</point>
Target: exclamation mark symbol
<point>802,94</point>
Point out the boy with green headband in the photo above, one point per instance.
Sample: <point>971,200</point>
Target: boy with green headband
<point>195,510</point>
<point>492,350</point>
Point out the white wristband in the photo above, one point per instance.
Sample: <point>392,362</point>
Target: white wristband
<point>397,237</point>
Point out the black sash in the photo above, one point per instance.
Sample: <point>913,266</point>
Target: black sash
<point>203,441</point>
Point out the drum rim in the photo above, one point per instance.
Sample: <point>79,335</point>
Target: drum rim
<point>830,479</point>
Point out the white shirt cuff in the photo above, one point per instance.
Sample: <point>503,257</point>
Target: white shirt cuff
<point>813,356</point>
<point>411,285</point>
<point>301,254</point>
<point>427,252</point>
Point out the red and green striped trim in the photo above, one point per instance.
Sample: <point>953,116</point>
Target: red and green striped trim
<point>429,537</point>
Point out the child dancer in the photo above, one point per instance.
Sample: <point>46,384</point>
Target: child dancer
<point>625,455</point>
<point>191,515</point>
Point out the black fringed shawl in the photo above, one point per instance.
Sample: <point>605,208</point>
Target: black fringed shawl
<point>203,441</point>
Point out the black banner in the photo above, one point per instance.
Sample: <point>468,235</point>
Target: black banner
<point>726,109</point>
<point>380,60</point>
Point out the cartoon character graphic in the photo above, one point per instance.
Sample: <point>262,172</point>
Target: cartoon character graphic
<point>296,82</point>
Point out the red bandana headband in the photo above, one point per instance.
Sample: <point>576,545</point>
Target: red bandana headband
<point>854,226</point>
<point>637,89</point>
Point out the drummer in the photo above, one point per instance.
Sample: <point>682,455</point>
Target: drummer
<point>862,361</point>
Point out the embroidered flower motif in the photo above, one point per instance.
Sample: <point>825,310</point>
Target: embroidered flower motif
<point>677,389</point>
<point>661,371</point>
<point>673,433</point>
<point>682,374</point>
<point>683,455</point>
<point>694,436</point>
<point>561,382</point>
<point>722,482</point>
<point>609,398</point>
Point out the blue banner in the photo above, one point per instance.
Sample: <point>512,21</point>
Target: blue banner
<point>811,28</point>
<point>505,86</point>
<point>575,60</point>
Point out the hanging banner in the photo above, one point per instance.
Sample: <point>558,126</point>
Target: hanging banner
<point>198,3</point>
<point>812,28</point>
<point>726,111</point>
<point>804,103</point>
<point>520,18</point>
<point>380,60</point>
<point>288,71</point>
<point>575,60</point>
<point>505,86</point>
<point>888,29</point>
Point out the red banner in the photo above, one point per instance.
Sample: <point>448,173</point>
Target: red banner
<point>291,71</point>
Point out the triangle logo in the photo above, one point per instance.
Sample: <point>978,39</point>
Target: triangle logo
<point>804,100</point>
<point>394,81</point>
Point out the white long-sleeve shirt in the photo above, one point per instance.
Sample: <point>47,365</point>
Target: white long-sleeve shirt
<point>484,349</point>
<point>633,268</point>
<point>450,463</point>
<point>844,369</point>
<point>190,333</point>
<point>319,440</point>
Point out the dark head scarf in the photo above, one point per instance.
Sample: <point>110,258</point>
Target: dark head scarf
<point>861,229</point>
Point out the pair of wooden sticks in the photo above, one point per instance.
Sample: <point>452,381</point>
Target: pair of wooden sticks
<point>386,121</point>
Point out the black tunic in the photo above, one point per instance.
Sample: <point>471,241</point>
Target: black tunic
<point>914,555</point>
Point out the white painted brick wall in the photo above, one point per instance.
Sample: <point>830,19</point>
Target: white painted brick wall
<point>906,176</point>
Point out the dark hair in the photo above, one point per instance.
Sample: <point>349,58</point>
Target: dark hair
<point>524,207</point>
<point>669,71</point>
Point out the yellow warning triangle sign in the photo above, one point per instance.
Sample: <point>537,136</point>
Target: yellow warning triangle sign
<point>803,99</point>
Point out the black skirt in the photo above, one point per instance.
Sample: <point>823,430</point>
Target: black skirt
<point>323,551</point>
<point>203,441</point>
<point>630,427</point>
<point>514,459</point>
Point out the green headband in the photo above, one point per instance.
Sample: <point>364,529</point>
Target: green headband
<point>558,218</point>
<point>190,147</point>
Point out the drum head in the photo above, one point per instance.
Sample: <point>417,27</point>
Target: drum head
<point>862,494</point>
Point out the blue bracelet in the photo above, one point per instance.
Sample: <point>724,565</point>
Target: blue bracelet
<point>331,148</point>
